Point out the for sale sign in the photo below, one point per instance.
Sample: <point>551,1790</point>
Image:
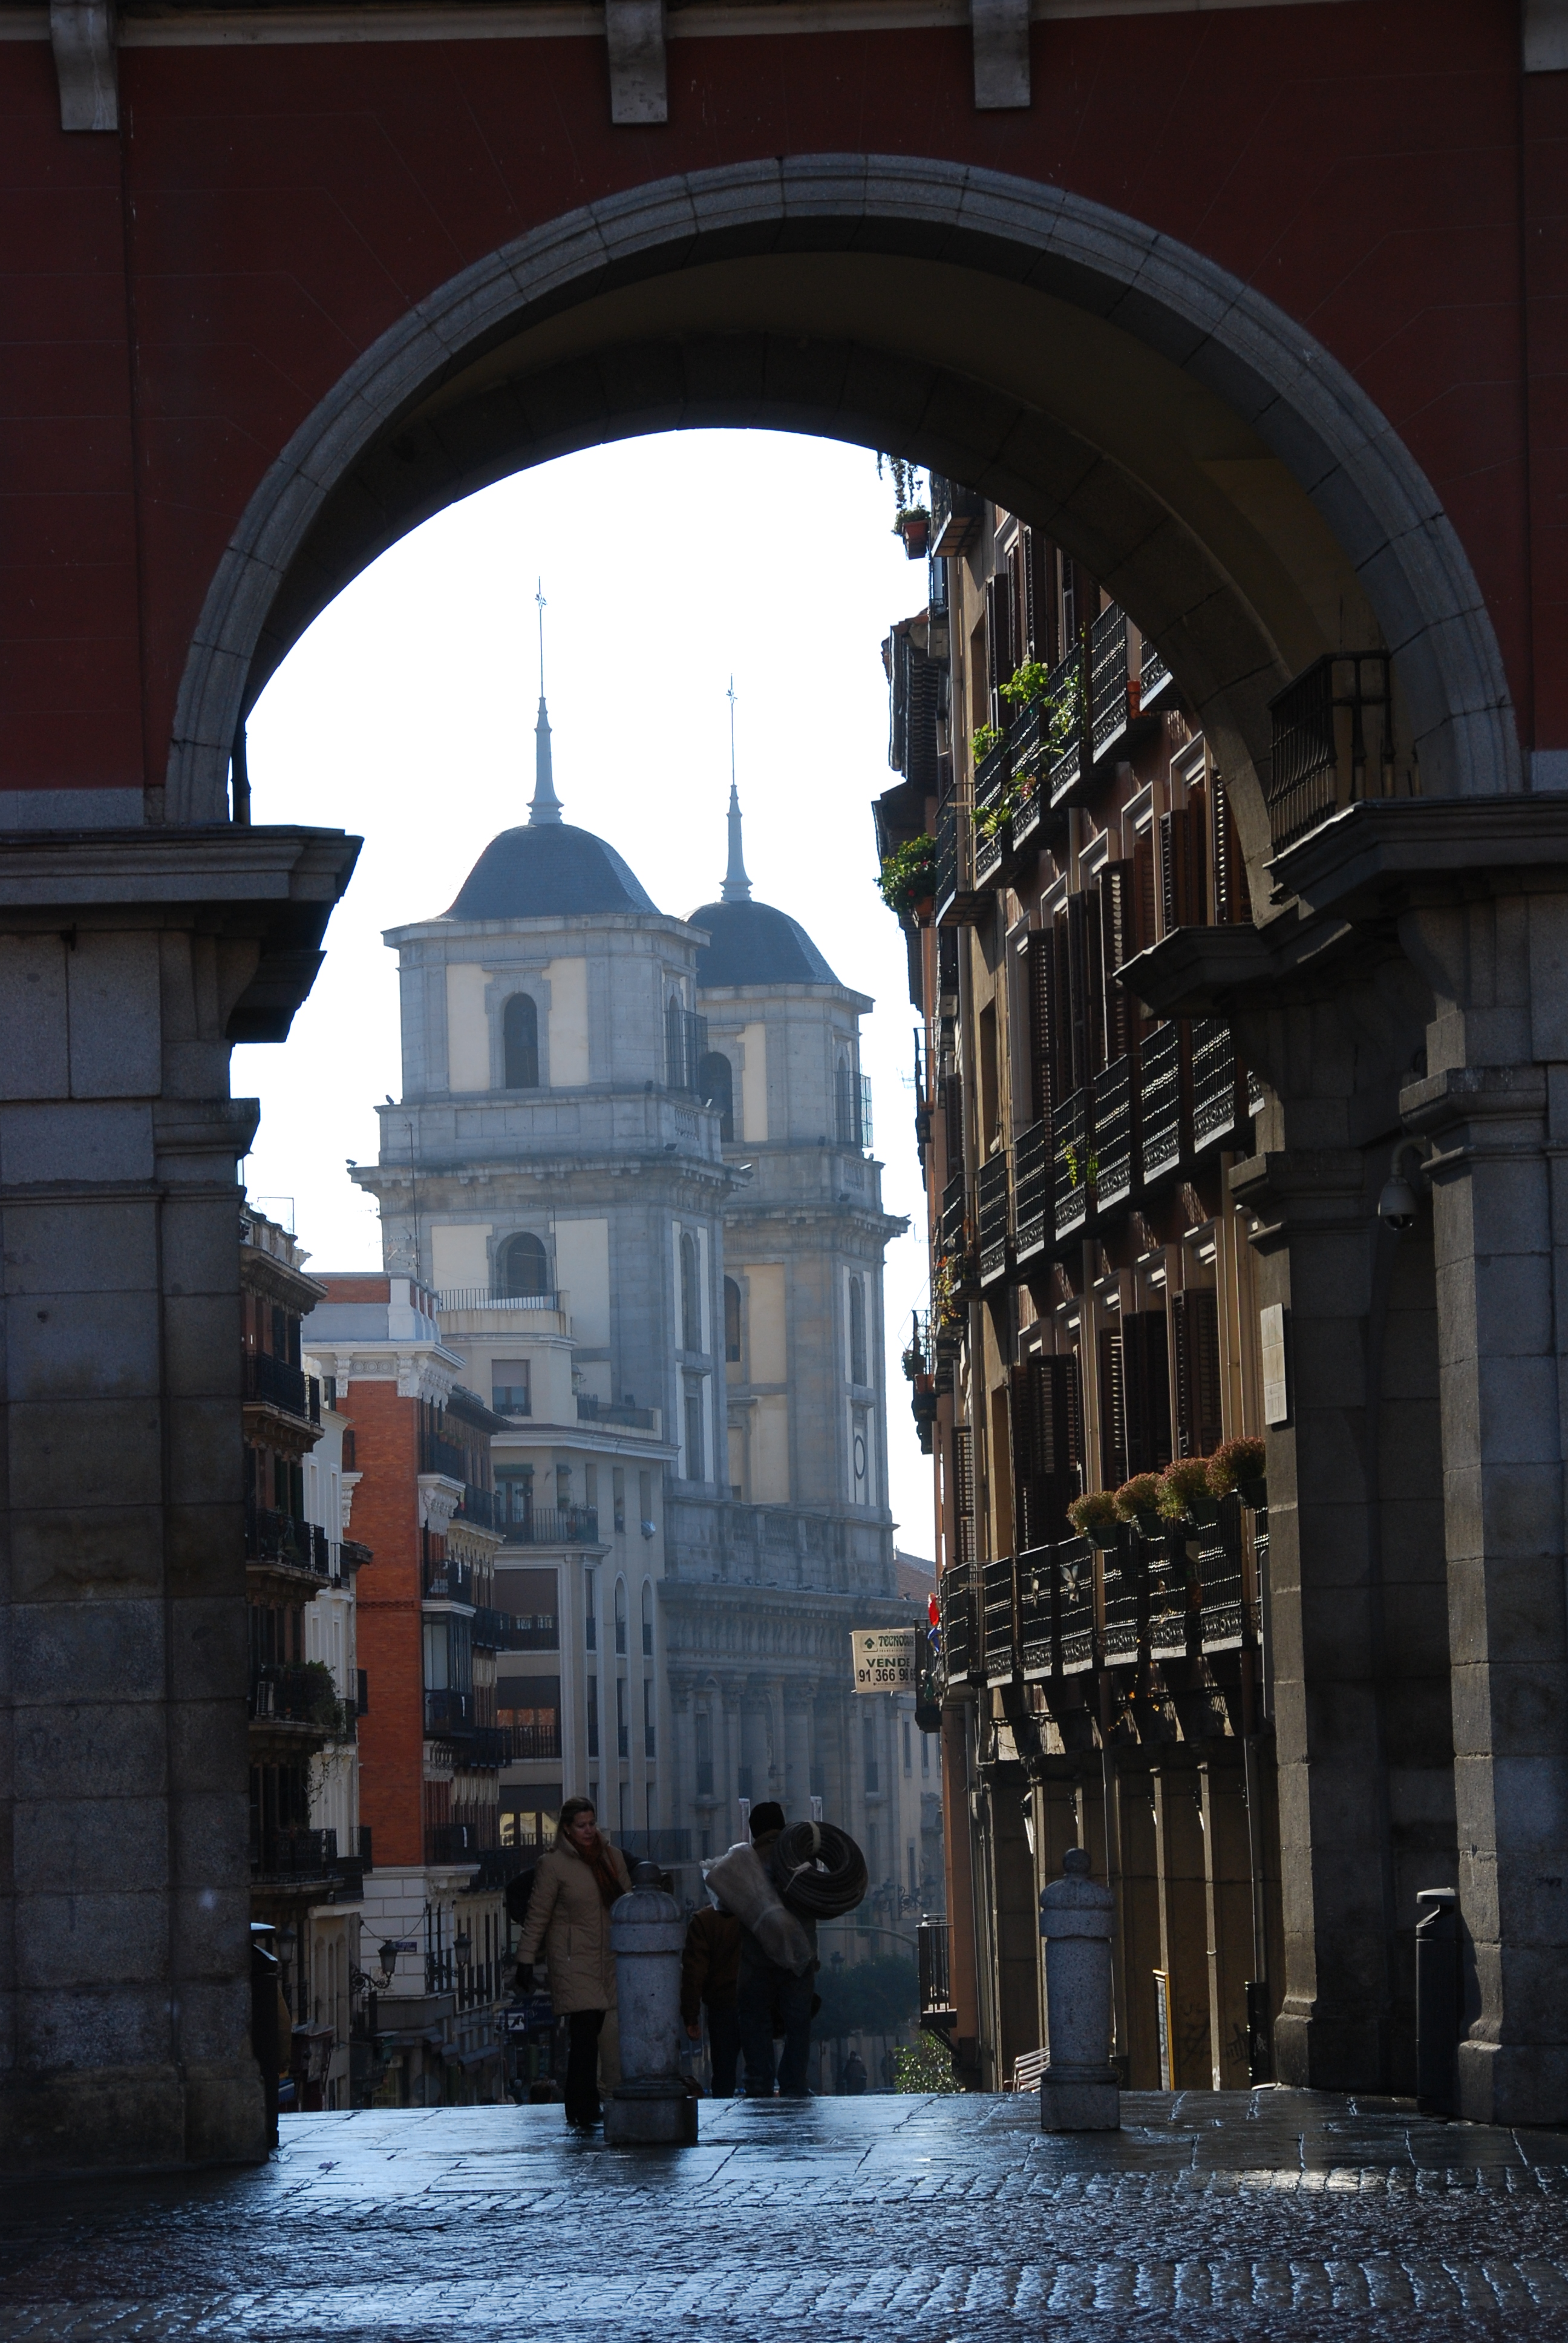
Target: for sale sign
<point>884,1658</point>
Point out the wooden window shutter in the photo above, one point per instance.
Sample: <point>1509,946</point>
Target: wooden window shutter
<point>1197,856</point>
<point>1077,991</point>
<point>1195,1317</point>
<point>1145,901</point>
<point>1172,870</point>
<point>1232,899</point>
<point>1031,612</point>
<point>1112,1412</point>
<point>1146,1390</point>
<point>953,1124</point>
<point>963,1497</point>
<point>1117,948</point>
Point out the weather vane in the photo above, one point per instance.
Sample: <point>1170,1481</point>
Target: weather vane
<point>539,598</point>
<point>729,694</point>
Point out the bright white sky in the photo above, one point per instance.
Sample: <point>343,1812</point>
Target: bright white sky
<point>407,715</point>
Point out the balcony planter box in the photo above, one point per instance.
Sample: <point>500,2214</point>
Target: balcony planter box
<point>915,529</point>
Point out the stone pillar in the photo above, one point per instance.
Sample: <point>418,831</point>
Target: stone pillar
<point>728,1760</point>
<point>1141,1938</point>
<point>1183,1923</point>
<point>1228,1897</point>
<point>681,1773</point>
<point>799,1693</point>
<point>129,962</point>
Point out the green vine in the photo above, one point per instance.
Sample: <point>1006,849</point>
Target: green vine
<point>908,875</point>
<point>982,740</point>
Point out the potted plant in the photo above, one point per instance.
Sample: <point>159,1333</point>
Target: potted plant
<point>908,877</point>
<point>982,740</point>
<point>913,524</point>
<point>1185,1497</point>
<point>1094,1517</point>
<point>1137,1500</point>
<point>1241,1465</point>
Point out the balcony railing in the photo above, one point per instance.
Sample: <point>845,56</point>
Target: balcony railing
<point>1115,1128</point>
<point>1122,1569</point>
<point>1072,1161</point>
<point>957,1602</point>
<point>533,1633</point>
<point>947,879</point>
<point>992,775</point>
<point>478,1506</point>
<point>931,1955</point>
<point>1068,690</point>
<point>1224,1619</point>
<point>998,1635</point>
<point>1154,674</point>
<point>991,1214</point>
<point>1111,704</point>
<point>1169,1605</point>
<point>444,1456</point>
<point>603,1411</point>
<point>1161,1069</point>
<point>447,1843</point>
<point>450,1581</point>
<point>956,516</point>
<point>486,1297</point>
<point>488,1747</point>
<point>1219,1106</point>
<point>286,1855</point>
<point>852,1098</point>
<point>1334,742</point>
<point>533,1742</point>
<point>1030,779</point>
<point>1031,1215</point>
<point>448,1712</point>
<point>490,1629</point>
<point>282,1537</point>
<point>1037,1612</point>
<point>555,1525</point>
<point>299,1692</point>
<point>273,1383</point>
<point>1075,1606</point>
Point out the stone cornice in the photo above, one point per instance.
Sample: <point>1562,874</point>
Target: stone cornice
<point>420,1370</point>
<point>1387,849</point>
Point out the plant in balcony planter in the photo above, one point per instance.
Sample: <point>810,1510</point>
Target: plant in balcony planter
<point>982,740</point>
<point>1030,680</point>
<point>913,1361</point>
<point>1094,1517</point>
<point>908,876</point>
<point>913,524</point>
<point>1240,1466</point>
<point>1137,1500</point>
<point>1185,1497</point>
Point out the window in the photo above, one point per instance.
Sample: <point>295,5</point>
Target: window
<point>675,1045</point>
<point>617,1483</point>
<point>563,1488</point>
<point>524,1266</point>
<point>591,1688</point>
<point>703,1725</point>
<point>716,1088</point>
<point>510,1387</point>
<point>858,1331</point>
<point>648,1724</point>
<point>690,1294</point>
<point>529,1709</point>
<point>908,1749</point>
<point>694,1471</point>
<point>590,1622</point>
<point>647,1618</point>
<point>620,1617</point>
<point>515,1497</point>
<point>622,1724</point>
<point>590,1488</point>
<point>520,1042</point>
<point>868,1751</point>
<point>731,1321</point>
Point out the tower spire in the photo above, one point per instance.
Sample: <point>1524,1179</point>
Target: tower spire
<point>544,806</point>
<point>737,887</point>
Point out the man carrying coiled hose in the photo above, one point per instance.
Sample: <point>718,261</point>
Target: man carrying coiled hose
<point>779,1888</point>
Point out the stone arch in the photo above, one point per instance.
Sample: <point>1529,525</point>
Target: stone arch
<point>1225,477</point>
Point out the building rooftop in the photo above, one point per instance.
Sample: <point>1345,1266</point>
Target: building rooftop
<point>752,944</point>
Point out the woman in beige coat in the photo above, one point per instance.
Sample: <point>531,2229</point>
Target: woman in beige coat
<point>568,1917</point>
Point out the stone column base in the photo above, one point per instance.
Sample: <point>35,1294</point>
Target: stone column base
<point>1080,2098</point>
<point>135,2117</point>
<point>650,2115</point>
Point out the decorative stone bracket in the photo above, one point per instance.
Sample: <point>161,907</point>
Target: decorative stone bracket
<point>638,74</point>
<point>1000,29</point>
<point>82,34</point>
<point>439,1499</point>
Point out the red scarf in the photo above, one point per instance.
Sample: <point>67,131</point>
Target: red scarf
<point>607,1878</point>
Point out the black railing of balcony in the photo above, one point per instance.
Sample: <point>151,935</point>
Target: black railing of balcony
<point>603,1411</point>
<point>1032,1225</point>
<point>555,1525</point>
<point>957,1599</point>
<point>998,1625</point>
<point>1165,1560</point>
<point>490,1629</point>
<point>273,1383</point>
<point>478,1506</point>
<point>1153,674</point>
<point>1075,1605</point>
<point>952,1222</point>
<point>1333,743</point>
<point>488,1746</point>
<point>1223,1618</point>
<point>449,1581</point>
<point>1072,1161</point>
<point>992,776</point>
<point>1115,1134</point>
<point>991,1216</point>
<point>288,1853</point>
<point>281,1537</point>
<point>448,1712</point>
<point>444,1456</point>
<point>947,879</point>
<point>1037,1611</point>
<point>446,1843</point>
<point>1067,692</point>
<point>1031,780</point>
<point>1108,699</point>
<point>1122,1569</point>
<point>931,1956</point>
<point>1161,1070</point>
<point>1219,1106</point>
<point>956,513</point>
<point>540,1740</point>
<point>533,1631</point>
<point>298,1692</point>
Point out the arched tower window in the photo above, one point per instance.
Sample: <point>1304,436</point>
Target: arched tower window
<point>731,1320</point>
<point>690,1294</point>
<point>520,1042</point>
<point>858,1331</point>
<point>620,1615</point>
<point>647,1618</point>
<point>673,1045</point>
<point>716,1087</point>
<point>524,1266</point>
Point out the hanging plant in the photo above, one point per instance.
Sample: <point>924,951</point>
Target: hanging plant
<point>1137,1500</point>
<point>1093,1516</point>
<point>982,740</point>
<point>1185,1497</point>
<point>1242,1466</point>
<point>908,876</point>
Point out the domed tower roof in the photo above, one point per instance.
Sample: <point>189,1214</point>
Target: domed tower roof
<point>547,867</point>
<point>752,944</point>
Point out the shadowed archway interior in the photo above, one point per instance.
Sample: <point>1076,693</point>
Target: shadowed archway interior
<point>1218,472</point>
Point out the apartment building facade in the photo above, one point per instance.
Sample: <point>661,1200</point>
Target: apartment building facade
<point>1094,1318</point>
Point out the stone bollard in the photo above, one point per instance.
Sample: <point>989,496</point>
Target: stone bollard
<point>1080,2089</point>
<point>650,2106</point>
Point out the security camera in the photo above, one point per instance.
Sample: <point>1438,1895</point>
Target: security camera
<point>1399,1204</point>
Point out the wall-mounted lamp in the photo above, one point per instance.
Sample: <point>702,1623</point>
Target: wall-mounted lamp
<point>1398,1204</point>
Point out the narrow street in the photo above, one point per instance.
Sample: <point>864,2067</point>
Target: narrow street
<point>1236,2215</point>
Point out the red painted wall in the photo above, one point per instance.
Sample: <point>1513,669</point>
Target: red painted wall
<point>178,298</point>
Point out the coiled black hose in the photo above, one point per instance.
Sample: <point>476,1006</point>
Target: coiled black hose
<point>818,1871</point>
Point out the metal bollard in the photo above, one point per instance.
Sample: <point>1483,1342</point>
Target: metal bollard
<point>1436,1998</point>
<point>650,2106</point>
<point>1078,2089</point>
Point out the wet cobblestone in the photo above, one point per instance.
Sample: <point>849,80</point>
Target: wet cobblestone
<point>1270,2214</point>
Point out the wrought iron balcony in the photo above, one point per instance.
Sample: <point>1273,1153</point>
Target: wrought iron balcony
<point>443,1456</point>
<point>1154,675</point>
<point>603,1411</point>
<point>555,1525</point>
<point>956,1596</point>
<point>992,776</point>
<point>997,1624</point>
<point>947,879</point>
<point>1032,1224</point>
<point>488,1747</point>
<point>956,516</point>
<point>533,1742</point>
<point>448,1712</point>
<point>1068,690</point>
<point>1223,1612</point>
<point>1115,1130</point>
<point>531,1632</point>
<point>1073,1130</point>
<point>478,1506</point>
<point>273,1383</point>
<point>298,1692</point>
<point>1075,1606</point>
<point>1333,743</point>
<point>991,1213</point>
<point>487,1297</point>
<point>283,1538</point>
<point>1111,705</point>
<point>936,1987</point>
<point>1037,1612</point>
<point>1162,1070</point>
<point>1169,1597</point>
<point>1219,1101</point>
<point>1122,1567</point>
<point>449,1581</point>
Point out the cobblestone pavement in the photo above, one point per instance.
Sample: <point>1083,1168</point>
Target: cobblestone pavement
<point>1229,2217</point>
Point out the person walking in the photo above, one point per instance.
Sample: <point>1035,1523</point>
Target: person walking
<point>568,1919</point>
<point>771,2001</point>
<point>855,2075</point>
<point>710,1969</point>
